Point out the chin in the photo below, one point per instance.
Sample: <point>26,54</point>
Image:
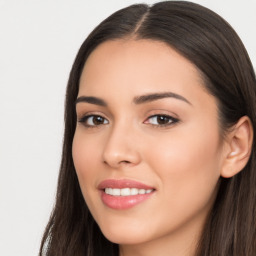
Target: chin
<point>124,239</point>
<point>124,236</point>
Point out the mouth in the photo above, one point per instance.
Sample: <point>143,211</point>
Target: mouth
<point>127,191</point>
<point>124,194</point>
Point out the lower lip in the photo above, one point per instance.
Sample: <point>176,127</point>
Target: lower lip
<point>123,202</point>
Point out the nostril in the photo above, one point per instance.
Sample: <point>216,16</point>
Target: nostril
<point>125,162</point>
<point>121,162</point>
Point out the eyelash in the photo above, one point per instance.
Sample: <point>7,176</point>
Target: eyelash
<point>103,121</point>
<point>85,119</point>
<point>171,120</point>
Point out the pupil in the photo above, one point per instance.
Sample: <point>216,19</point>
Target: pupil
<point>162,120</point>
<point>98,120</point>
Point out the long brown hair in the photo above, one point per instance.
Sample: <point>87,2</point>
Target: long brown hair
<point>212,45</point>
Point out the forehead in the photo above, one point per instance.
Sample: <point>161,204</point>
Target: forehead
<point>138,67</point>
<point>135,57</point>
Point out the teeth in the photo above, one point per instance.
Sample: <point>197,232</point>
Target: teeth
<point>127,191</point>
<point>134,191</point>
<point>142,191</point>
<point>116,192</point>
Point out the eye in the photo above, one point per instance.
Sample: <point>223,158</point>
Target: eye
<point>161,120</point>
<point>93,120</point>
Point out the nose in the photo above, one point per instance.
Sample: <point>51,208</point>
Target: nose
<point>121,148</point>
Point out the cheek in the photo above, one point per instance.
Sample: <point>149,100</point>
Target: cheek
<point>84,155</point>
<point>86,161</point>
<point>184,152</point>
<point>188,167</point>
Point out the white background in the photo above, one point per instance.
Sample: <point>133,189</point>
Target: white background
<point>38,43</point>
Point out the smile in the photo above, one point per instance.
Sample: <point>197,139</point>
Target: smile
<point>127,191</point>
<point>124,194</point>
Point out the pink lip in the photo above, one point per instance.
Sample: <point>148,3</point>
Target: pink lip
<point>123,202</point>
<point>124,183</point>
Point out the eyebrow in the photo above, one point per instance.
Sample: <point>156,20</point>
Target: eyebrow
<point>91,100</point>
<point>156,96</point>
<point>137,100</point>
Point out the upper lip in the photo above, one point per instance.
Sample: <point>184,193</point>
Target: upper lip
<point>123,183</point>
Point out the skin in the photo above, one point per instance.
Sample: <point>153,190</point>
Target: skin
<point>181,160</point>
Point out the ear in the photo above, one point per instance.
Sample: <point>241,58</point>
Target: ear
<point>238,150</point>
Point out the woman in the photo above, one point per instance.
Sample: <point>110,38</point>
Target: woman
<point>159,154</point>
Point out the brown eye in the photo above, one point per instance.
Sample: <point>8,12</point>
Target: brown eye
<point>97,120</point>
<point>162,120</point>
<point>93,120</point>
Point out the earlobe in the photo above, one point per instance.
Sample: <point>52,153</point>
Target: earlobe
<point>239,147</point>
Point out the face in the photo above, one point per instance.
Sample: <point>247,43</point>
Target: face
<point>147,148</point>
